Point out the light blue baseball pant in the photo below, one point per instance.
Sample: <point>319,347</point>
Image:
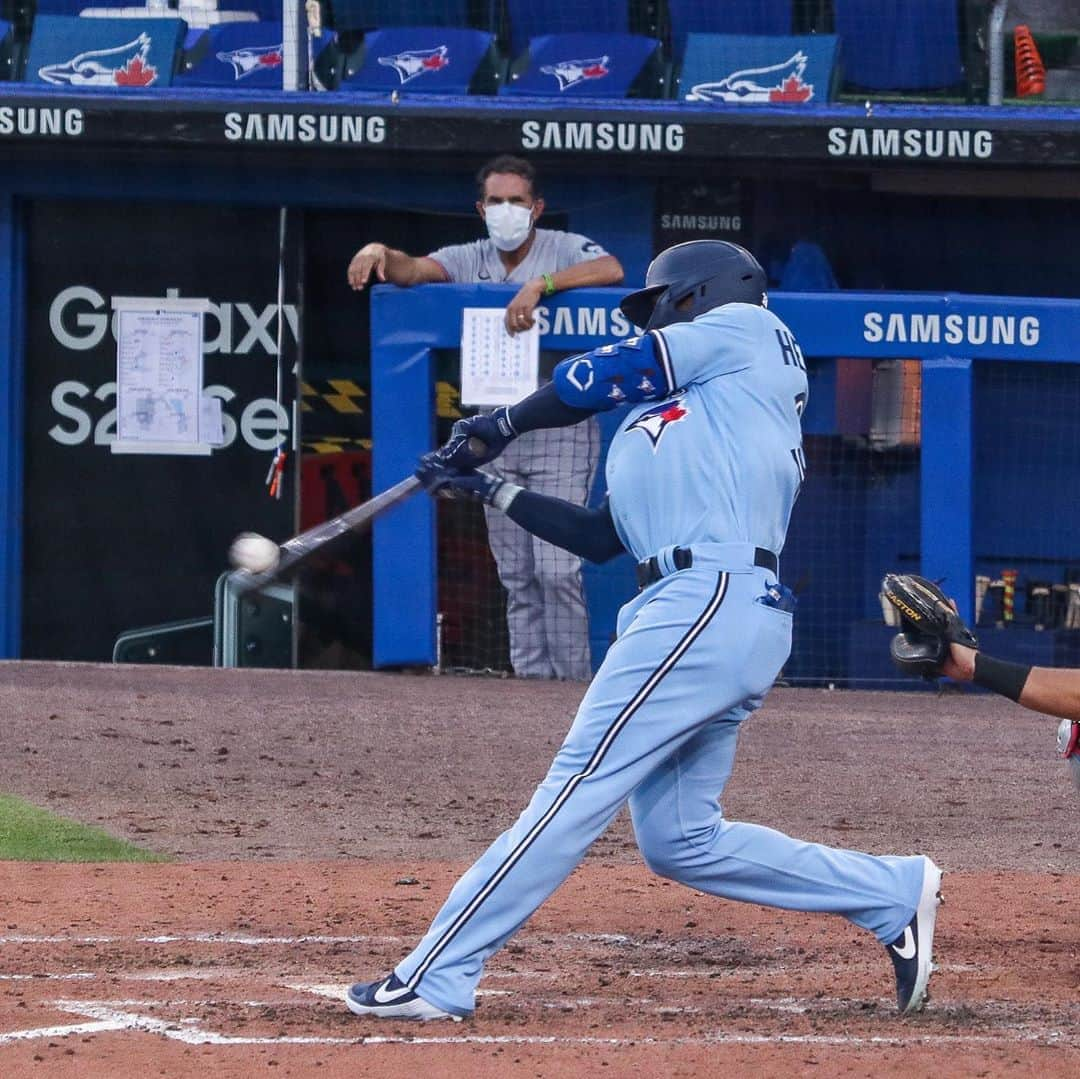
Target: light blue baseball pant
<point>695,654</point>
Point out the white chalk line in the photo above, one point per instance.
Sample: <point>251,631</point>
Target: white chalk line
<point>526,941</point>
<point>106,1020</point>
<point>246,939</point>
<point>114,1017</point>
<point>34,1033</point>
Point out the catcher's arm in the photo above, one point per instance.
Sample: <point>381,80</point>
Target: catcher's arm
<point>1054,691</point>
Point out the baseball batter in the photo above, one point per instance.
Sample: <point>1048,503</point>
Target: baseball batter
<point>702,476</point>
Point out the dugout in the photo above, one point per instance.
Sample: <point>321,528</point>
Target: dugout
<point>157,195</point>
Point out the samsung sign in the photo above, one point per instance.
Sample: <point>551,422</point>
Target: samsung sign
<point>952,329</point>
<point>896,142</point>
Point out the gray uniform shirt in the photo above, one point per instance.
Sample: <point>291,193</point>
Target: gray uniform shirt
<point>551,251</point>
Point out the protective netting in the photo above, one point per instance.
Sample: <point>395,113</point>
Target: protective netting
<point>858,517</point>
<point>1026,527</point>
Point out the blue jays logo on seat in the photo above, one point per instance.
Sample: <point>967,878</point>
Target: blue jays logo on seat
<point>246,61</point>
<point>415,62</point>
<point>571,72</point>
<point>124,65</point>
<point>779,84</point>
<point>654,421</point>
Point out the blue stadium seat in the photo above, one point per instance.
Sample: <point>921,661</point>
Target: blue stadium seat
<point>807,269</point>
<point>61,7</point>
<point>246,56</point>
<point>110,54</point>
<point>419,60</point>
<point>369,14</point>
<point>906,45</point>
<point>535,18</point>
<point>267,10</point>
<point>726,17</point>
<point>582,65</point>
<point>733,69</point>
<point>7,44</point>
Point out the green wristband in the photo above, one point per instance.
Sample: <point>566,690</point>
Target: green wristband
<point>549,284</point>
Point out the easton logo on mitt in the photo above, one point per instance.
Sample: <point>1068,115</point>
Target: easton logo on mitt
<point>929,624</point>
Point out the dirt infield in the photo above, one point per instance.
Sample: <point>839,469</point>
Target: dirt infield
<point>319,818</point>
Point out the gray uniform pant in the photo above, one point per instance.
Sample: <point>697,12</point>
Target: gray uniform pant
<point>545,609</point>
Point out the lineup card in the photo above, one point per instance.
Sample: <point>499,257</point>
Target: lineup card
<point>497,368</point>
<point>159,377</point>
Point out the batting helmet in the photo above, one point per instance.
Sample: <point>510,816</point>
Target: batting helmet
<point>710,272</point>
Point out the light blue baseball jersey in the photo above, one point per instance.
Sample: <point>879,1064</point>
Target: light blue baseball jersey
<point>720,460</point>
<point>717,461</point>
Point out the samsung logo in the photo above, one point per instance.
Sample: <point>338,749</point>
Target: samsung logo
<point>40,121</point>
<point>303,127</point>
<point>583,321</point>
<point>604,136</point>
<point>951,329</point>
<point>898,142</point>
<point>702,222</point>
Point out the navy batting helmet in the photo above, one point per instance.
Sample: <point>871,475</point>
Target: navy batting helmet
<point>709,272</point>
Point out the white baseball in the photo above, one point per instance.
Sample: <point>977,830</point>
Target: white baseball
<point>253,552</point>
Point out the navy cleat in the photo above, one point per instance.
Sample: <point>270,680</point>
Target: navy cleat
<point>392,999</point>
<point>911,952</point>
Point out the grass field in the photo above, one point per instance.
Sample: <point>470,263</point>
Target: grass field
<point>31,834</point>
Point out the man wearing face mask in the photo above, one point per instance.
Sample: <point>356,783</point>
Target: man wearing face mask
<point>546,613</point>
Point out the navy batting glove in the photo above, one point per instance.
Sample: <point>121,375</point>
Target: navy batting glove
<point>479,439</point>
<point>478,486</point>
<point>434,473</point>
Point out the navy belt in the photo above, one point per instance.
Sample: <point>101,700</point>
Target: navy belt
<point>649,571</point>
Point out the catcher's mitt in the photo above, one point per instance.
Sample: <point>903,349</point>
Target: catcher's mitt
<point>929,623</point>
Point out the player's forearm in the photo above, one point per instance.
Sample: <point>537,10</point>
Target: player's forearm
<point>606,270</point>
<point>588,533</point>
<point>543,409</point>
<point>1054,691</point>
<point>403,269</point>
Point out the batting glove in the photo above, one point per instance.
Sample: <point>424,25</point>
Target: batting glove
<point>492,431</point>
<point>433,472</point>
<point>439,479</point>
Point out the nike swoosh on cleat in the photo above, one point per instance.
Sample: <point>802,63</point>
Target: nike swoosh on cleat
<point>384,997</point>
<point>904,951</point>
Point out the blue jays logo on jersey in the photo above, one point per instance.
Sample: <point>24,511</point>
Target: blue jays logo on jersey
<point>254,58</point>
<point>571,72</point>
<point>656,420</point>
<point>415,62</point>
<point>779,84</point>
<point>125,65</point>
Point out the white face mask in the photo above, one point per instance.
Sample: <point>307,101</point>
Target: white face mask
<point>508,225</point>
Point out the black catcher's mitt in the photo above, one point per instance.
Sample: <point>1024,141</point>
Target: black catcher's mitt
<point>928,622</point>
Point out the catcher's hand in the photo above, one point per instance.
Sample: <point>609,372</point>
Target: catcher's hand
<point>929,624</point>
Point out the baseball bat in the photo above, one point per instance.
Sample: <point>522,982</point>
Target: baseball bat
<point>295,552</point>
